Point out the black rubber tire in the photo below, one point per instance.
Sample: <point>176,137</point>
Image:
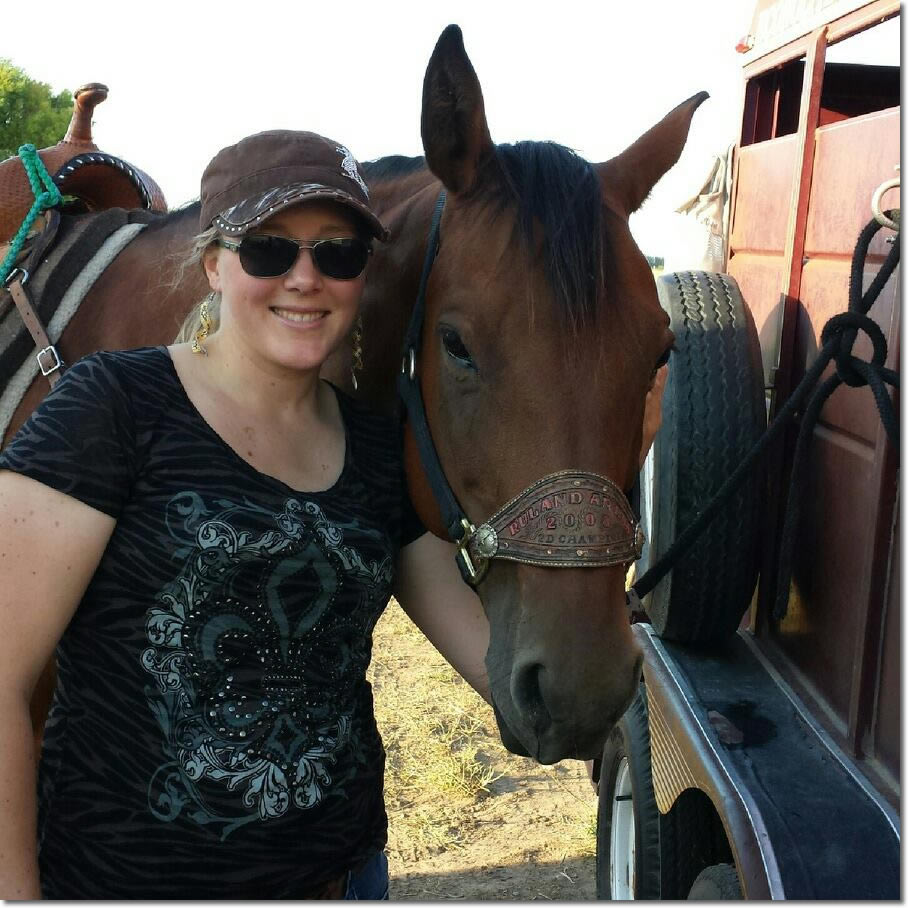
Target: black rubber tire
<point>630,740</point>
<point>713,413</point>
<point>691,838</point>
<point>669,849</point>
<point>717,883</point>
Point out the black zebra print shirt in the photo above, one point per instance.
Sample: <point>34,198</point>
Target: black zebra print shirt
<point>212,734</point>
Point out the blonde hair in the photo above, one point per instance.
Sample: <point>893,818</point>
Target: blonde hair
<point>193,323</point>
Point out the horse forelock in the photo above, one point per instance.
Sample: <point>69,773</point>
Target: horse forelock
<point>553,188</point>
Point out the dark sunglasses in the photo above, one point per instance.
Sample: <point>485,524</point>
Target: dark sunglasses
<point>261,255</point>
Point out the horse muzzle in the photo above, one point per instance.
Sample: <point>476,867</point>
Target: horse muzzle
<point>528,729</point>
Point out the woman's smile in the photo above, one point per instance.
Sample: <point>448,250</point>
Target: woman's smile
<point>298,317</point>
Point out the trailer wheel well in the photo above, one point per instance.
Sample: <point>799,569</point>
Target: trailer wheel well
<point>693,838</point>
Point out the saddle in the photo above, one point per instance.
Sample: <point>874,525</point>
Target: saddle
<point>96,179</point>
<point>91,181</point>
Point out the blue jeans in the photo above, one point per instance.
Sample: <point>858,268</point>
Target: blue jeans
<point>371,883</point>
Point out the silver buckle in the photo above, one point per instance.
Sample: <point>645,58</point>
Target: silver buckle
<point>14,274</point>
<point>473,573</point>
<point>58,363</point>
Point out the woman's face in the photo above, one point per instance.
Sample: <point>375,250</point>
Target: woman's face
<point>296,320</point>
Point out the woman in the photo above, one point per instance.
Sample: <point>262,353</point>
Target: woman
<point>210,532</point>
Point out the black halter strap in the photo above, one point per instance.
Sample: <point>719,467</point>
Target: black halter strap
<point>455,520</point>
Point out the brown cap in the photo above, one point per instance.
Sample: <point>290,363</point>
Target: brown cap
<point>248,182</point>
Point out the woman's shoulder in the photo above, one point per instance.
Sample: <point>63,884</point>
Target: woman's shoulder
<point>88,432</point>
<point>139,382</point>
<point>125,363</point>
<point>140,371</point>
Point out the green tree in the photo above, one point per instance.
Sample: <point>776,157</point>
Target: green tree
<point>29,111</point>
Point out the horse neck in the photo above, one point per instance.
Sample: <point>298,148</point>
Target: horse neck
<point>122,312</point>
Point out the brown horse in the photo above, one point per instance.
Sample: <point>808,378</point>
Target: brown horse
<point>541,335</point>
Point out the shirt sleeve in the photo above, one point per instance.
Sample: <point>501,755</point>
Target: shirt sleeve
<point>81,439</point>
<point>411,527</point>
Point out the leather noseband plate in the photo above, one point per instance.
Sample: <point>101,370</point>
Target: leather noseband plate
<point>566,519</point>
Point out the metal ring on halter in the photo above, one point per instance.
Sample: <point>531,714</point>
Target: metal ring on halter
<point>883,188</point>
<point>409,369</point>
<point>473,570</point>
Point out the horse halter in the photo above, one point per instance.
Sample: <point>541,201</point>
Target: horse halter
<point>570,518</point>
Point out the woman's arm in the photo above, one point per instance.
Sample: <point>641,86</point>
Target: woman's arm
<point>431,591</point>
<point>50,546</point>
<point>652,411</point>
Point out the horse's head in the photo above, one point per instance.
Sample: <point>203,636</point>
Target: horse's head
<point>542,334</point>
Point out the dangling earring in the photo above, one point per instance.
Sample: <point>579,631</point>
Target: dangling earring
<point>357,351</point>
<point>205,327</point>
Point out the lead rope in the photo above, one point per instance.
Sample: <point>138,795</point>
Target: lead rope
<point>48,197</point>
<point>838,337</point>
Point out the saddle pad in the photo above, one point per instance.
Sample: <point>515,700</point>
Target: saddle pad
<point>13,387</point>
<point>78,239</point>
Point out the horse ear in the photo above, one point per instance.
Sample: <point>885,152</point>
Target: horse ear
<point>455,134</point>
<point>634,172</point>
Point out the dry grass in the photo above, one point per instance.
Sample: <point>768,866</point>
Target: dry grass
<point>450,785</point>
<point>434,727</point>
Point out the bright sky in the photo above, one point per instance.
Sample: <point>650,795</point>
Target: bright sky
<point>187,78</point>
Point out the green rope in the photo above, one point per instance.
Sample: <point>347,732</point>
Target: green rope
<point>45,198</point>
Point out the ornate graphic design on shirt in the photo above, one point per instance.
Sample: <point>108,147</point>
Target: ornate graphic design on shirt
<point>254,681</point>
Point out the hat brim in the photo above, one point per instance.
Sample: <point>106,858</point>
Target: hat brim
<point>242,217</point>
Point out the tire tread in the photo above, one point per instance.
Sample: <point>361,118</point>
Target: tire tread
<point>714,405</point>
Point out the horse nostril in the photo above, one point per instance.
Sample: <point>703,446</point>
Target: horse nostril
<point>527,695</point>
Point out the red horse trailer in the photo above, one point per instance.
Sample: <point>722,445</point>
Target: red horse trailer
<point>761,759</point>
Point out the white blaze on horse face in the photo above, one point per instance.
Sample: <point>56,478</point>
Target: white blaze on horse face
<point>297,320</point>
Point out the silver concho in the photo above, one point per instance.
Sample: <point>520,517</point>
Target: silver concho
<point>486,541</point>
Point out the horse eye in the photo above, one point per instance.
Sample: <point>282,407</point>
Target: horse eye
<point>455,348</point>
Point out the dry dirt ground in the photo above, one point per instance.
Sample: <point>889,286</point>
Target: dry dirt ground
<point>469,821</point>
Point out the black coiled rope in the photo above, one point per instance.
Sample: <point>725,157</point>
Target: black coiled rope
<point>838,338</point>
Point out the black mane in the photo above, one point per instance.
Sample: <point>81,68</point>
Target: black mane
<point>552,187</point>
<point>157,221</point>
<point>391,166</point>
